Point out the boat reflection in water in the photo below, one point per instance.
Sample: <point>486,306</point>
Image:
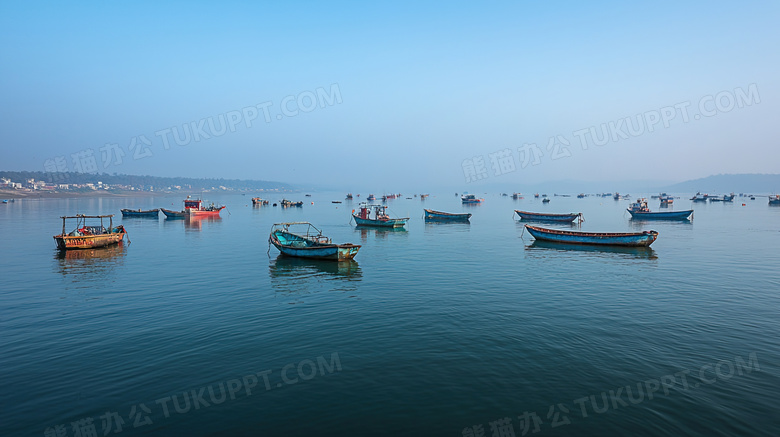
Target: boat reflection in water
<point>453,226</point>
<point>380,233</point>
<point>540,247</point>
<point>195,223</point>
<point>309,276</point>
<point>90,265</point>
<point>641,224</point>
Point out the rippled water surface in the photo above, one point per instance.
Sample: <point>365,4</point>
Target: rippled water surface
<point>197,328</point>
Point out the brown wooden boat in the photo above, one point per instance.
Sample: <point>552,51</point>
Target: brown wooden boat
<point>88,237</point>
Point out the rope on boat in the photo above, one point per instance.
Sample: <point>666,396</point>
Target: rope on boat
<point>127,234</point>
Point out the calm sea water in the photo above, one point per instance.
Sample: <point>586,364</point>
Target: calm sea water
<point>196,328</point>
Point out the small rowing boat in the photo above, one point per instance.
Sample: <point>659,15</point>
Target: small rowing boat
<point>309,243</point>
<point>173,214</point>
<point>431,215</point>
<point>629,239</point>
<point>545,217</point>
<point>139,213</point>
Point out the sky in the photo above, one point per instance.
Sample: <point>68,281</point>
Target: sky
<point>392,94</point>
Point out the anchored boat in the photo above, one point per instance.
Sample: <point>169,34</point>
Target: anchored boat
<point>380,218</point>
<point>545,217</point>
<point>470,198</point>
<point>89,237</point>
<point>639,210</point>
<point>630,239</point>
<point>256,201</point>
<point>309,243</point>
<point>431,215</point>
<point>195,207</point>
<point>289,203</point>
<point>174,214</point>
<point>724,198</point>
<point>138,213</point>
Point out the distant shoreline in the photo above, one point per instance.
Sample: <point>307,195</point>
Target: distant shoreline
<point>39,194</point>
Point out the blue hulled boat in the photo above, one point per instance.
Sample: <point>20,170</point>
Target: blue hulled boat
<point>639,210</point>
<point>545,217</point>
<point>174,214</point>
<point>381,219</point>
<point>432,215</point>
<point>309,243</point>
<point>470,198</point>
<point>629,239</point>
<point>153,213</point>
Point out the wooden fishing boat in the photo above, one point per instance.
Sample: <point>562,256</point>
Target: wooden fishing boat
<point>349,196</point>
<point>431,215</point>
<point>470,198</point>
<point>546,217</point>
<point>139,213</point>
<point>309,243</point>
<point>288,203</point>
<point>536,195</point>
<point>698,197</point>
<point>370,197</point>
<point>256,201</point>
<point>724,198</point>
<point>517,196</point>
<point>581,196</point>
<point>773,200</point>
<point>195,207</point>
<point>546,200</point>
<point>629,239</point>
<point>639,210</point>
<point>89,237</point>
<point>174,214</point>
<point>380,219</point>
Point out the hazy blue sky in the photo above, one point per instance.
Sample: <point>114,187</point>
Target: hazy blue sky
<point>409,93</point>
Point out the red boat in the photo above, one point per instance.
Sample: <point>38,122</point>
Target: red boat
<point>195,207</point>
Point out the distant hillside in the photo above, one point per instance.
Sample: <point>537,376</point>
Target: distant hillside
<point>142,181</point>
<point>727,183</point>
